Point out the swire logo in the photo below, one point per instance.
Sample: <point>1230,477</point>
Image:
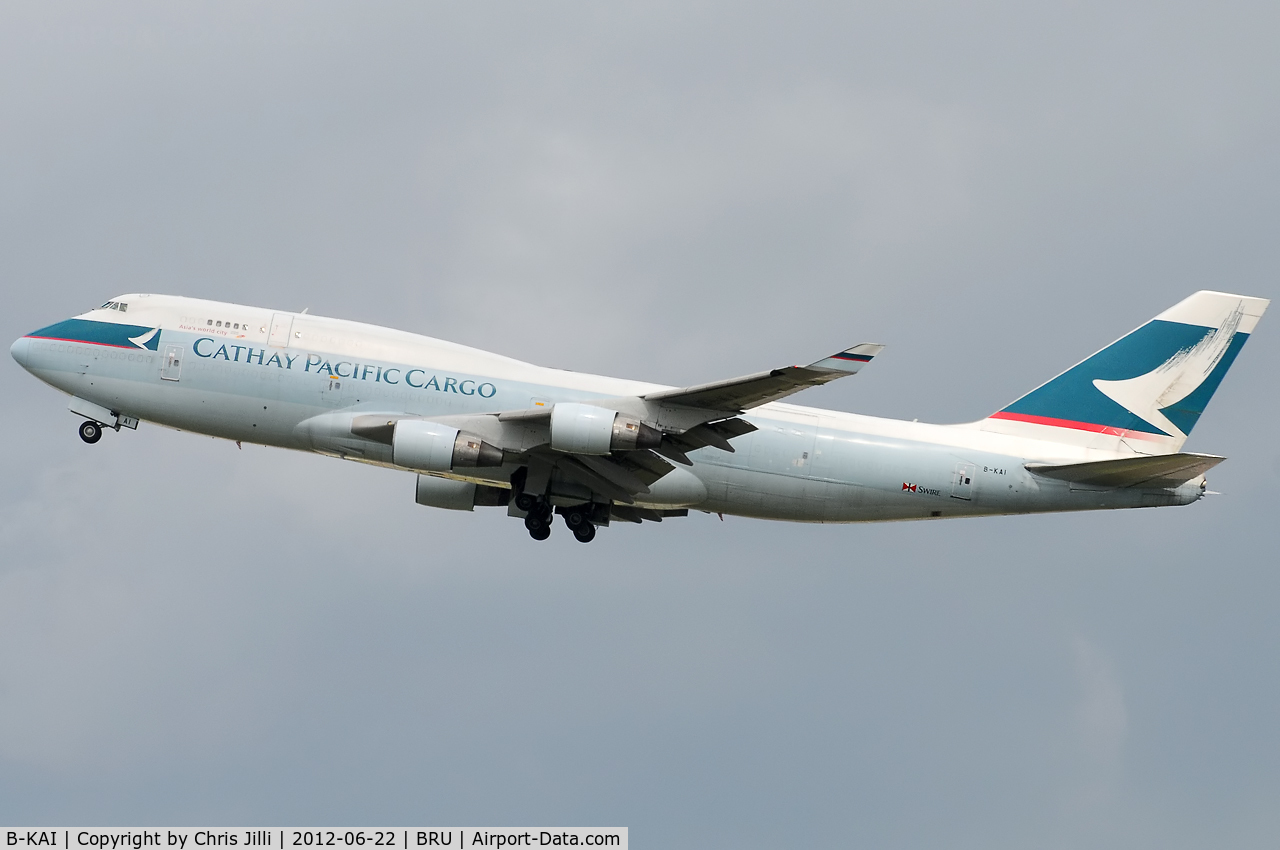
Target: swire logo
<point>906,486</point>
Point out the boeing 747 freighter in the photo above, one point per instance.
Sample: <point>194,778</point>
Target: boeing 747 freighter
<point>479,429</point>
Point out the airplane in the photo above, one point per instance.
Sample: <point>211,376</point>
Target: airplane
<point>483,430</point>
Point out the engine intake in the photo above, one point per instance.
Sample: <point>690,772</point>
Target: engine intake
<point>416,444</point>
<point>590,430</point>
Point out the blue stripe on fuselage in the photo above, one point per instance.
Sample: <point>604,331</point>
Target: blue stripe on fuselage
<point>99,333</point>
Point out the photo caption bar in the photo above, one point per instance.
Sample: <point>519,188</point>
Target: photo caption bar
<point>287,838</point>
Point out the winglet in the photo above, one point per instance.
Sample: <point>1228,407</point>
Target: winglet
<point>850,360</point>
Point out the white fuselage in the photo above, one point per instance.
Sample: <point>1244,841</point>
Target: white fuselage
<point>296,380</point>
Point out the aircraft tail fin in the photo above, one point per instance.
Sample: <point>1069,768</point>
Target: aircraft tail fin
<point>1148,388</point>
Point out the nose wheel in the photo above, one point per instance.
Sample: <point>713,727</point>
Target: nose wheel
<point>90,431</point>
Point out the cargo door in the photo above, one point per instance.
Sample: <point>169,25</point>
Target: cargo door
<point>780,465</point>
<point>784,448</point>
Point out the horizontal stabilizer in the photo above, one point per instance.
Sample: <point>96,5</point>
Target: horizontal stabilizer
<point>1146,471</point>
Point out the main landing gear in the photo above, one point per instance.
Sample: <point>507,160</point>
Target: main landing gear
<point>539,516</point>
<point>538,521</point>
<point>90,431</point>
<point>580,524</point>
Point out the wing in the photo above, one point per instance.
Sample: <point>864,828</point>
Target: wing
<point>684,420</point>
<point>1147,471</point>
<point>739,394</point>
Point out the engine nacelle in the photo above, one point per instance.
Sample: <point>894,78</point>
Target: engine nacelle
<point>417,444</point>
<point>445,493</point>
<point>458,495</point>
<point>589,430</point>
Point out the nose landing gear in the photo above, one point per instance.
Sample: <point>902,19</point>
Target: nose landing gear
<point>90,431</point>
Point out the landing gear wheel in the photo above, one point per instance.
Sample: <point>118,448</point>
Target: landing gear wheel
<point>575,519</point>
<point>585,533</point>
<point>526,501</point>
<point>538,521</point>
<point>540,533</point>
<point>90,431</point>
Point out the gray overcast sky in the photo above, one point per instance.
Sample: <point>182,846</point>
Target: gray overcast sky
<point>191,634</point>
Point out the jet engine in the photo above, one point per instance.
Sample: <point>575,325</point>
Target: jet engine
<point>590,430</point>
<point>458,495</point>
<point>417,444</point>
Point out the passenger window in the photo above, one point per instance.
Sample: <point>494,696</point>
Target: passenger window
<point>211,323</point>
<point>237,327</point>
<point>219,323</point>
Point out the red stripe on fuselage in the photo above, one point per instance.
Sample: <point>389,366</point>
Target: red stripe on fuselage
<point>1078,426</point>
<point>87,342</point>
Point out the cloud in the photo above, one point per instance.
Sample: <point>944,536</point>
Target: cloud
<point>674,193</point>
<point>1101,721</point>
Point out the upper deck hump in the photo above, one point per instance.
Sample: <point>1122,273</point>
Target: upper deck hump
<point>347,338</point>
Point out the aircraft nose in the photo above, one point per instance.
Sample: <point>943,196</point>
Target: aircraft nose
<point>19,351</point>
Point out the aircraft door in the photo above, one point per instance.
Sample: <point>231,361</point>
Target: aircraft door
<point>171,368</point>
<point>338,391</point>
<point>785,448</point>
<point>962,481</point>
<point>281,327</point>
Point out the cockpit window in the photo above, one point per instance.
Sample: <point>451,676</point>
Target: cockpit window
<point>115,305</point>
